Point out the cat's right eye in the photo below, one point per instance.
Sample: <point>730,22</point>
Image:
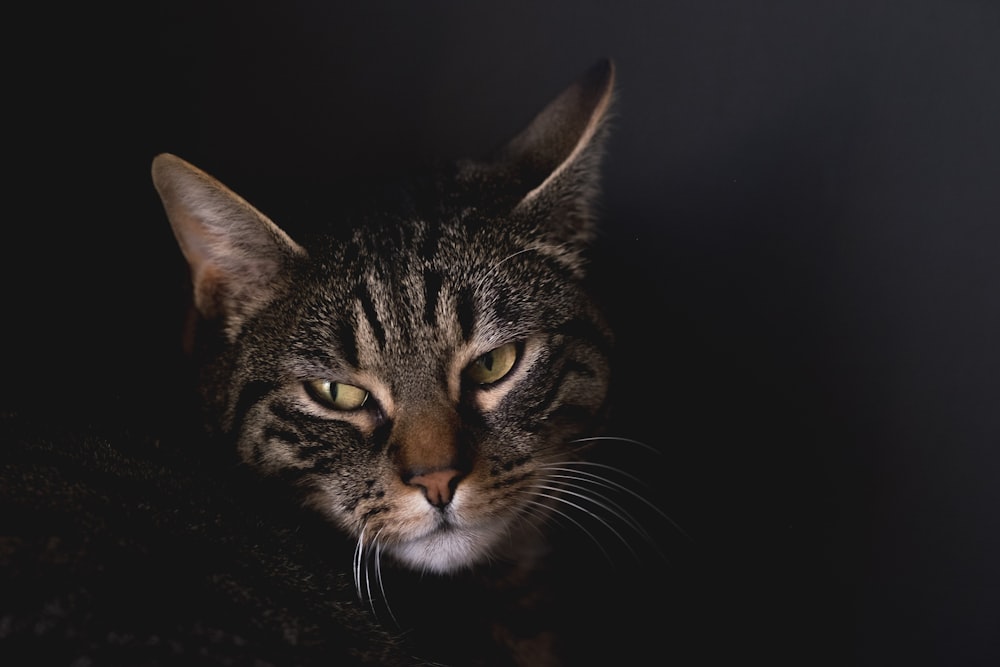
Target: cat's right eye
<point>336,395</point>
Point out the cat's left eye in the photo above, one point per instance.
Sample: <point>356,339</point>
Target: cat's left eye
<point>336,395</point>
<point>494,365</point>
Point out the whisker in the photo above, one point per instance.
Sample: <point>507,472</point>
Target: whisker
<point>611,484</point>
<point>356,563</point>
<point>493,269</point>
<point>368,589</point>
<point>614,438</point>
<point>371,550</point>
<point>598,499</point>
<point>524,516</point>
<point>363,555</point>
<point>567,517</point>
<point>378,577</point>
<point>512,256</point>
<point>593,515</point>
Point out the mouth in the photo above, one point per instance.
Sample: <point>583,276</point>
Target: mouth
<point>447,547</point>
<point>442,551</point>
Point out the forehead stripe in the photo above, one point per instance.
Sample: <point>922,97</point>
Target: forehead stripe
<point>368,306</point>
<point>348,343</point>
<point>432,290</point>
<point>466,311</point>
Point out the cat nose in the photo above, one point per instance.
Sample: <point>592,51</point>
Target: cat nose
<point>438,485</point>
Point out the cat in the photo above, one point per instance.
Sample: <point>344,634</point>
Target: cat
<point>430,380</point>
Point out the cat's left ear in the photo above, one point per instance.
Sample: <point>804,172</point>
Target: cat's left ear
<point>555,160</point>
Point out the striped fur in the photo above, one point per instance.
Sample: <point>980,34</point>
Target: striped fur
<point>436,468</point>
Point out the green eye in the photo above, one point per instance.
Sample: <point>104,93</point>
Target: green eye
<point>493,365</point>
<point>336,395</point>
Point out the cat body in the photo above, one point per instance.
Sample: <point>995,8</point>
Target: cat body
<point>430,380</point>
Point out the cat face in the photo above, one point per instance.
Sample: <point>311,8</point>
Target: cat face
<point>423,378</point>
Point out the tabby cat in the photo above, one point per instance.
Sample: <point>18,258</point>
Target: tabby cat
<point>430,380</point>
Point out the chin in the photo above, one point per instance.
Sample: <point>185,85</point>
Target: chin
<point>446,550</point>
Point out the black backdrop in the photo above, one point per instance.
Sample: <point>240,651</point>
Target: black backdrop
<point>807,195</point>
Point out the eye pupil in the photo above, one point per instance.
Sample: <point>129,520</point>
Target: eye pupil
<point>336,395</point>
<point>494,365</point>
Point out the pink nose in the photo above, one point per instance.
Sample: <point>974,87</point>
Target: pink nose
<point>438,485</point>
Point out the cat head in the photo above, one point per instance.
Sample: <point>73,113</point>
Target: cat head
<point>420,377</point>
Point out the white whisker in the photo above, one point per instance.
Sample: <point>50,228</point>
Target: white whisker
<point>358,557</point>
<point>611,484</point>
<point>536,519</point>
<point>512,256</point>
<point>368,583</point>
<point>492,269</point>
<point>614,438</point>
<point>363,555</point>
<point>378,577</point>
<point>583,509</point>
<point>569,518</point>
<point>598,499</point>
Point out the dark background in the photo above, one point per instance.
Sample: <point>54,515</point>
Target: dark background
<point>806,197</point>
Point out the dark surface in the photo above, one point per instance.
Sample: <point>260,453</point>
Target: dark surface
<point>118,547</point>
<point>803,198</point>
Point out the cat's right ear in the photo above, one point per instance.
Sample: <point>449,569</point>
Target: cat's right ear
<point>238,257</point>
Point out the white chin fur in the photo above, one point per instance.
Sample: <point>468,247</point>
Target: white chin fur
<point>444,552</point>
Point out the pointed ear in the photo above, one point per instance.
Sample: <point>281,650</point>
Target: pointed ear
<point>555,160</point>
<point>238,257</point>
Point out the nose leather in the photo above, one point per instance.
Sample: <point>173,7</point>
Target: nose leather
<point>438,485</point>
